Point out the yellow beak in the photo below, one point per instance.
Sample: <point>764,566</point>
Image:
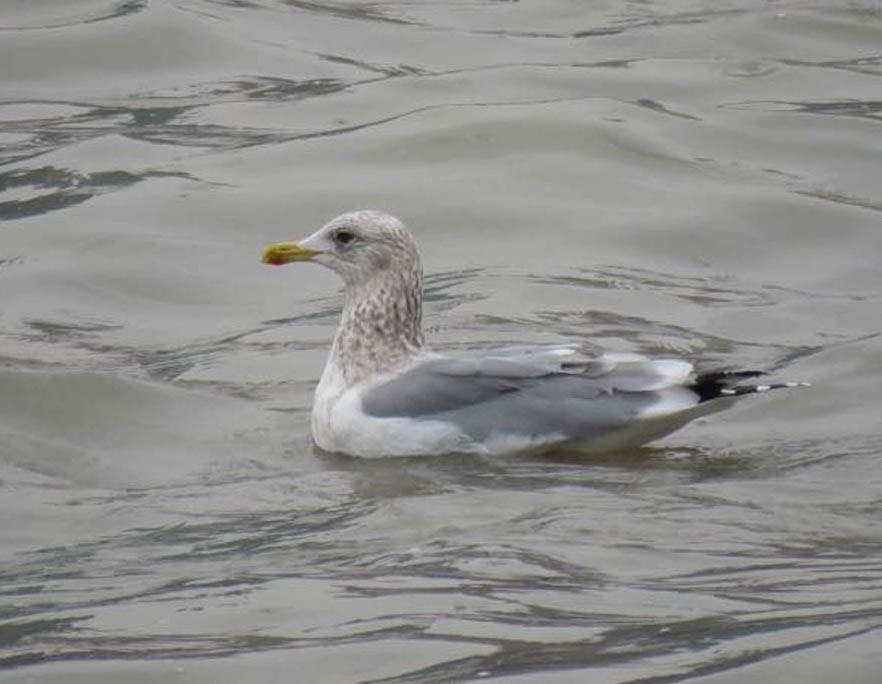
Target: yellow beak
<point>280,253</point>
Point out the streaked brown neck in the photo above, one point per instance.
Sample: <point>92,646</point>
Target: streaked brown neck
<point>381,325</point>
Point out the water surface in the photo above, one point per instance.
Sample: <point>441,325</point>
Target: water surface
<point>666,177</point>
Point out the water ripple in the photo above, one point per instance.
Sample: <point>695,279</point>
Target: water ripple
<point>37,16</point>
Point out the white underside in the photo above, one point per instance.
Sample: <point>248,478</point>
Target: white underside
<point>340,425</point>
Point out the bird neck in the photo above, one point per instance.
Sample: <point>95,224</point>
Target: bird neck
<point>381,325</point>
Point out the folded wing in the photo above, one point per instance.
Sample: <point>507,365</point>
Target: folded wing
<point>534,390</point>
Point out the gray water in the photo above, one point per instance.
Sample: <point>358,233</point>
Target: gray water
<point>698,179</point>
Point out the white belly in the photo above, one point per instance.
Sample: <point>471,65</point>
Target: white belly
<point>340,425</point>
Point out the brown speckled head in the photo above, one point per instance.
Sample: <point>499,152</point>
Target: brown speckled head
<point>378,260</point>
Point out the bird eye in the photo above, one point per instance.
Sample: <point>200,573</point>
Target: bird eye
<point>343,237</point>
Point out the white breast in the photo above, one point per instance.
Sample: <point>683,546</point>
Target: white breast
<point>340,425</point>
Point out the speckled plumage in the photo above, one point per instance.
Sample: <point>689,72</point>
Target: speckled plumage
<point>381,325</point>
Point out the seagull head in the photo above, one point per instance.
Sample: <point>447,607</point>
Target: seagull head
<point>359,246</point>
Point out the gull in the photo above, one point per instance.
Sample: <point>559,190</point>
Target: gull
<point>383,392</point>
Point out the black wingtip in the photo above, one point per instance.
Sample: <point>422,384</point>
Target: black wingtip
<point>718,384</point>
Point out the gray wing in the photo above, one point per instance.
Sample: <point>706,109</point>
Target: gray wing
<point>528,390</point>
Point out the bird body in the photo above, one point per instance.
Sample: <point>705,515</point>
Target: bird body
<point>384,393</point>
